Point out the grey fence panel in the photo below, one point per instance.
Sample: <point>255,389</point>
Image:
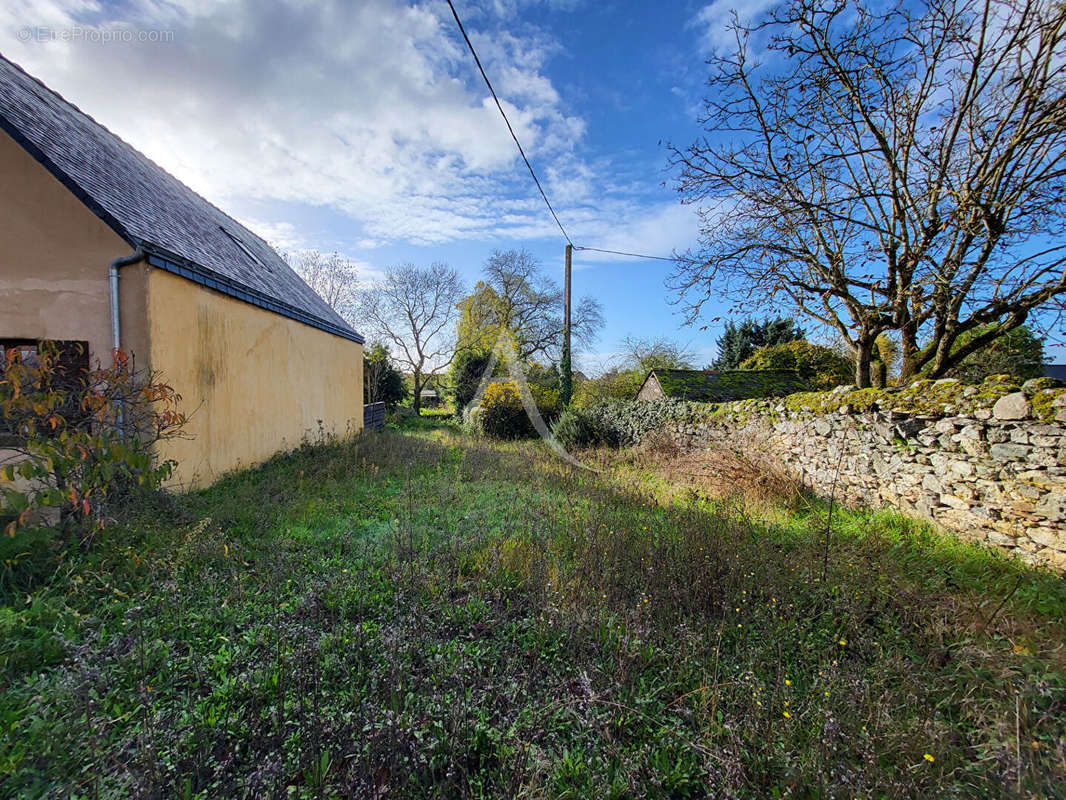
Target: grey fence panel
<point>374,416</point>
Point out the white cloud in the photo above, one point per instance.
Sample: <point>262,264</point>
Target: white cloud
<point>716,21</point>
<point>371,108</point>
<point>655,231</point>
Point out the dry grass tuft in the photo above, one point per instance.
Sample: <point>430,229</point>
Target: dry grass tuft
<point>734,474</point>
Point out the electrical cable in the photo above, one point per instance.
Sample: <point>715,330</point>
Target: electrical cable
<point>492,91</point>
<point>529,166</point>
<point>633,255</point>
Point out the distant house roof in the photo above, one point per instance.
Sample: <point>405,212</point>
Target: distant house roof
<point>151,209</point>
<point>720,386</point>
<point>1056,371</point>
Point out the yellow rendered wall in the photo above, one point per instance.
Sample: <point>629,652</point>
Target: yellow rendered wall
<point>252,382</point>
<point>54,258</point>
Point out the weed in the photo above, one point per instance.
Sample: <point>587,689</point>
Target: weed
<point>420,614</point>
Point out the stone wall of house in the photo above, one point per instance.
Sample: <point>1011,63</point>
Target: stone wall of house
<point>986,462</point>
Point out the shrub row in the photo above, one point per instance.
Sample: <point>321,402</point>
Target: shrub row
<point>622,423</point>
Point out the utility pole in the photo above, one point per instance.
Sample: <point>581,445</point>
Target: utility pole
<point>566,386</point>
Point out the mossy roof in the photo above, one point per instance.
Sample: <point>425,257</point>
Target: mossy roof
<point>720,386</point>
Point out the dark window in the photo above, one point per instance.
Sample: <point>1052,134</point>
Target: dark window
<point>72,366</point>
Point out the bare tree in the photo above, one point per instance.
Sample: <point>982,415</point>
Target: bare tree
<point>414,311</point>
<point>333,277</point>
<point>517,296</point>
<point>660,352</point>
<point>878,170</point>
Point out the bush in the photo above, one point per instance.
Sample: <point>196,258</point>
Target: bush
<point>502,415</point>
<point>614,384</point>
<point>621,423</point>
<point>466,372</point>
<point>78,439</point>
<point>579,428</point>
<point>382,381</point>
<point>1018,353</point>
<point>818,366</point>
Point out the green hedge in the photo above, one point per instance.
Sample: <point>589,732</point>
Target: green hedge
<point>623,423</point>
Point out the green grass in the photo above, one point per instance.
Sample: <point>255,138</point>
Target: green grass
<point>416,614</point>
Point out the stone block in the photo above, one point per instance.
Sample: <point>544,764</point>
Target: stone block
<point>1048,537</point>
<point>1053,558</point>
<point>997,434</point>
<point>945,426</point>
<point>1012,406</point>
<point>962,469</point>
<point>1007,452</point>
<point>952,501</point>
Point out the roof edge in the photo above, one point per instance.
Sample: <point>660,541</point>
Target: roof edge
<point>176,265</point>
<point>60,175</point>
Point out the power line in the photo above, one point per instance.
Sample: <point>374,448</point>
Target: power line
<point>492,91</point>
<point>633,255</point>
<point>529,166</point>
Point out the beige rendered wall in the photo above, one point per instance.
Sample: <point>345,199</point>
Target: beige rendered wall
<point>252,382</point>
<point>54,257</point>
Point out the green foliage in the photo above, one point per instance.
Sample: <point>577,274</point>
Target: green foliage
<point>819,367</point>
<point>1019,353</point>
<point>623,381</point>
<point>622,423</point>
<point>466,371</point>
<point>383,382</point>
<point>428,616</point>
<point>78,439</point>
<point>614,384</point>
<point>739,342</point>
<point>502,415</point>
<point>481,317</point>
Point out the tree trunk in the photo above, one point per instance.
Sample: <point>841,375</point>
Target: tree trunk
<point>863,351</point>
<point>416,399</point>
<point>908,345</point>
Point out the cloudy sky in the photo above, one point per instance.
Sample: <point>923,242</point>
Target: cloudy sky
<point>363,126</point>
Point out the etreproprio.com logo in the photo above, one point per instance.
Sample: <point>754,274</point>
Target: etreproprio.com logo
<point>78,33</point>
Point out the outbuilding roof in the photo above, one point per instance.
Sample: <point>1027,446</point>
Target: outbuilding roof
<point>720,386</point>
<point>178,229</point>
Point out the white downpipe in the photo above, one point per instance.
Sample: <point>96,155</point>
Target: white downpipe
<point>112,273</point>
<point>116,325</point>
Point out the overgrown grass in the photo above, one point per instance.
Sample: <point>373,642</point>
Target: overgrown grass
<point>421,615</point>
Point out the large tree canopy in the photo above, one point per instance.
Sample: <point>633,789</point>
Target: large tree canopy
<point>517,298</point>
<point>886,168</point>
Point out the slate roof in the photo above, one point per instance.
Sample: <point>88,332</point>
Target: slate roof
<point>180,231</point>
<point>721,386</point>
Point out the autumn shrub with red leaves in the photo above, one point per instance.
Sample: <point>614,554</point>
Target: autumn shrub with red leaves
<point>71,438</point>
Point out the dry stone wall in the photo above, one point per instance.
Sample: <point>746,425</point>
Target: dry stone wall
<point>986,462</point>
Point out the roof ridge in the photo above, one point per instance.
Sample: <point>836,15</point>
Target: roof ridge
<point>43,149</point>
<point>137,153</point>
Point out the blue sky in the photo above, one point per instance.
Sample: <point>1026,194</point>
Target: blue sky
<point>363,126</point>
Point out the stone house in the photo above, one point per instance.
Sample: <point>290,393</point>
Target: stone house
<point>101,247</point>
